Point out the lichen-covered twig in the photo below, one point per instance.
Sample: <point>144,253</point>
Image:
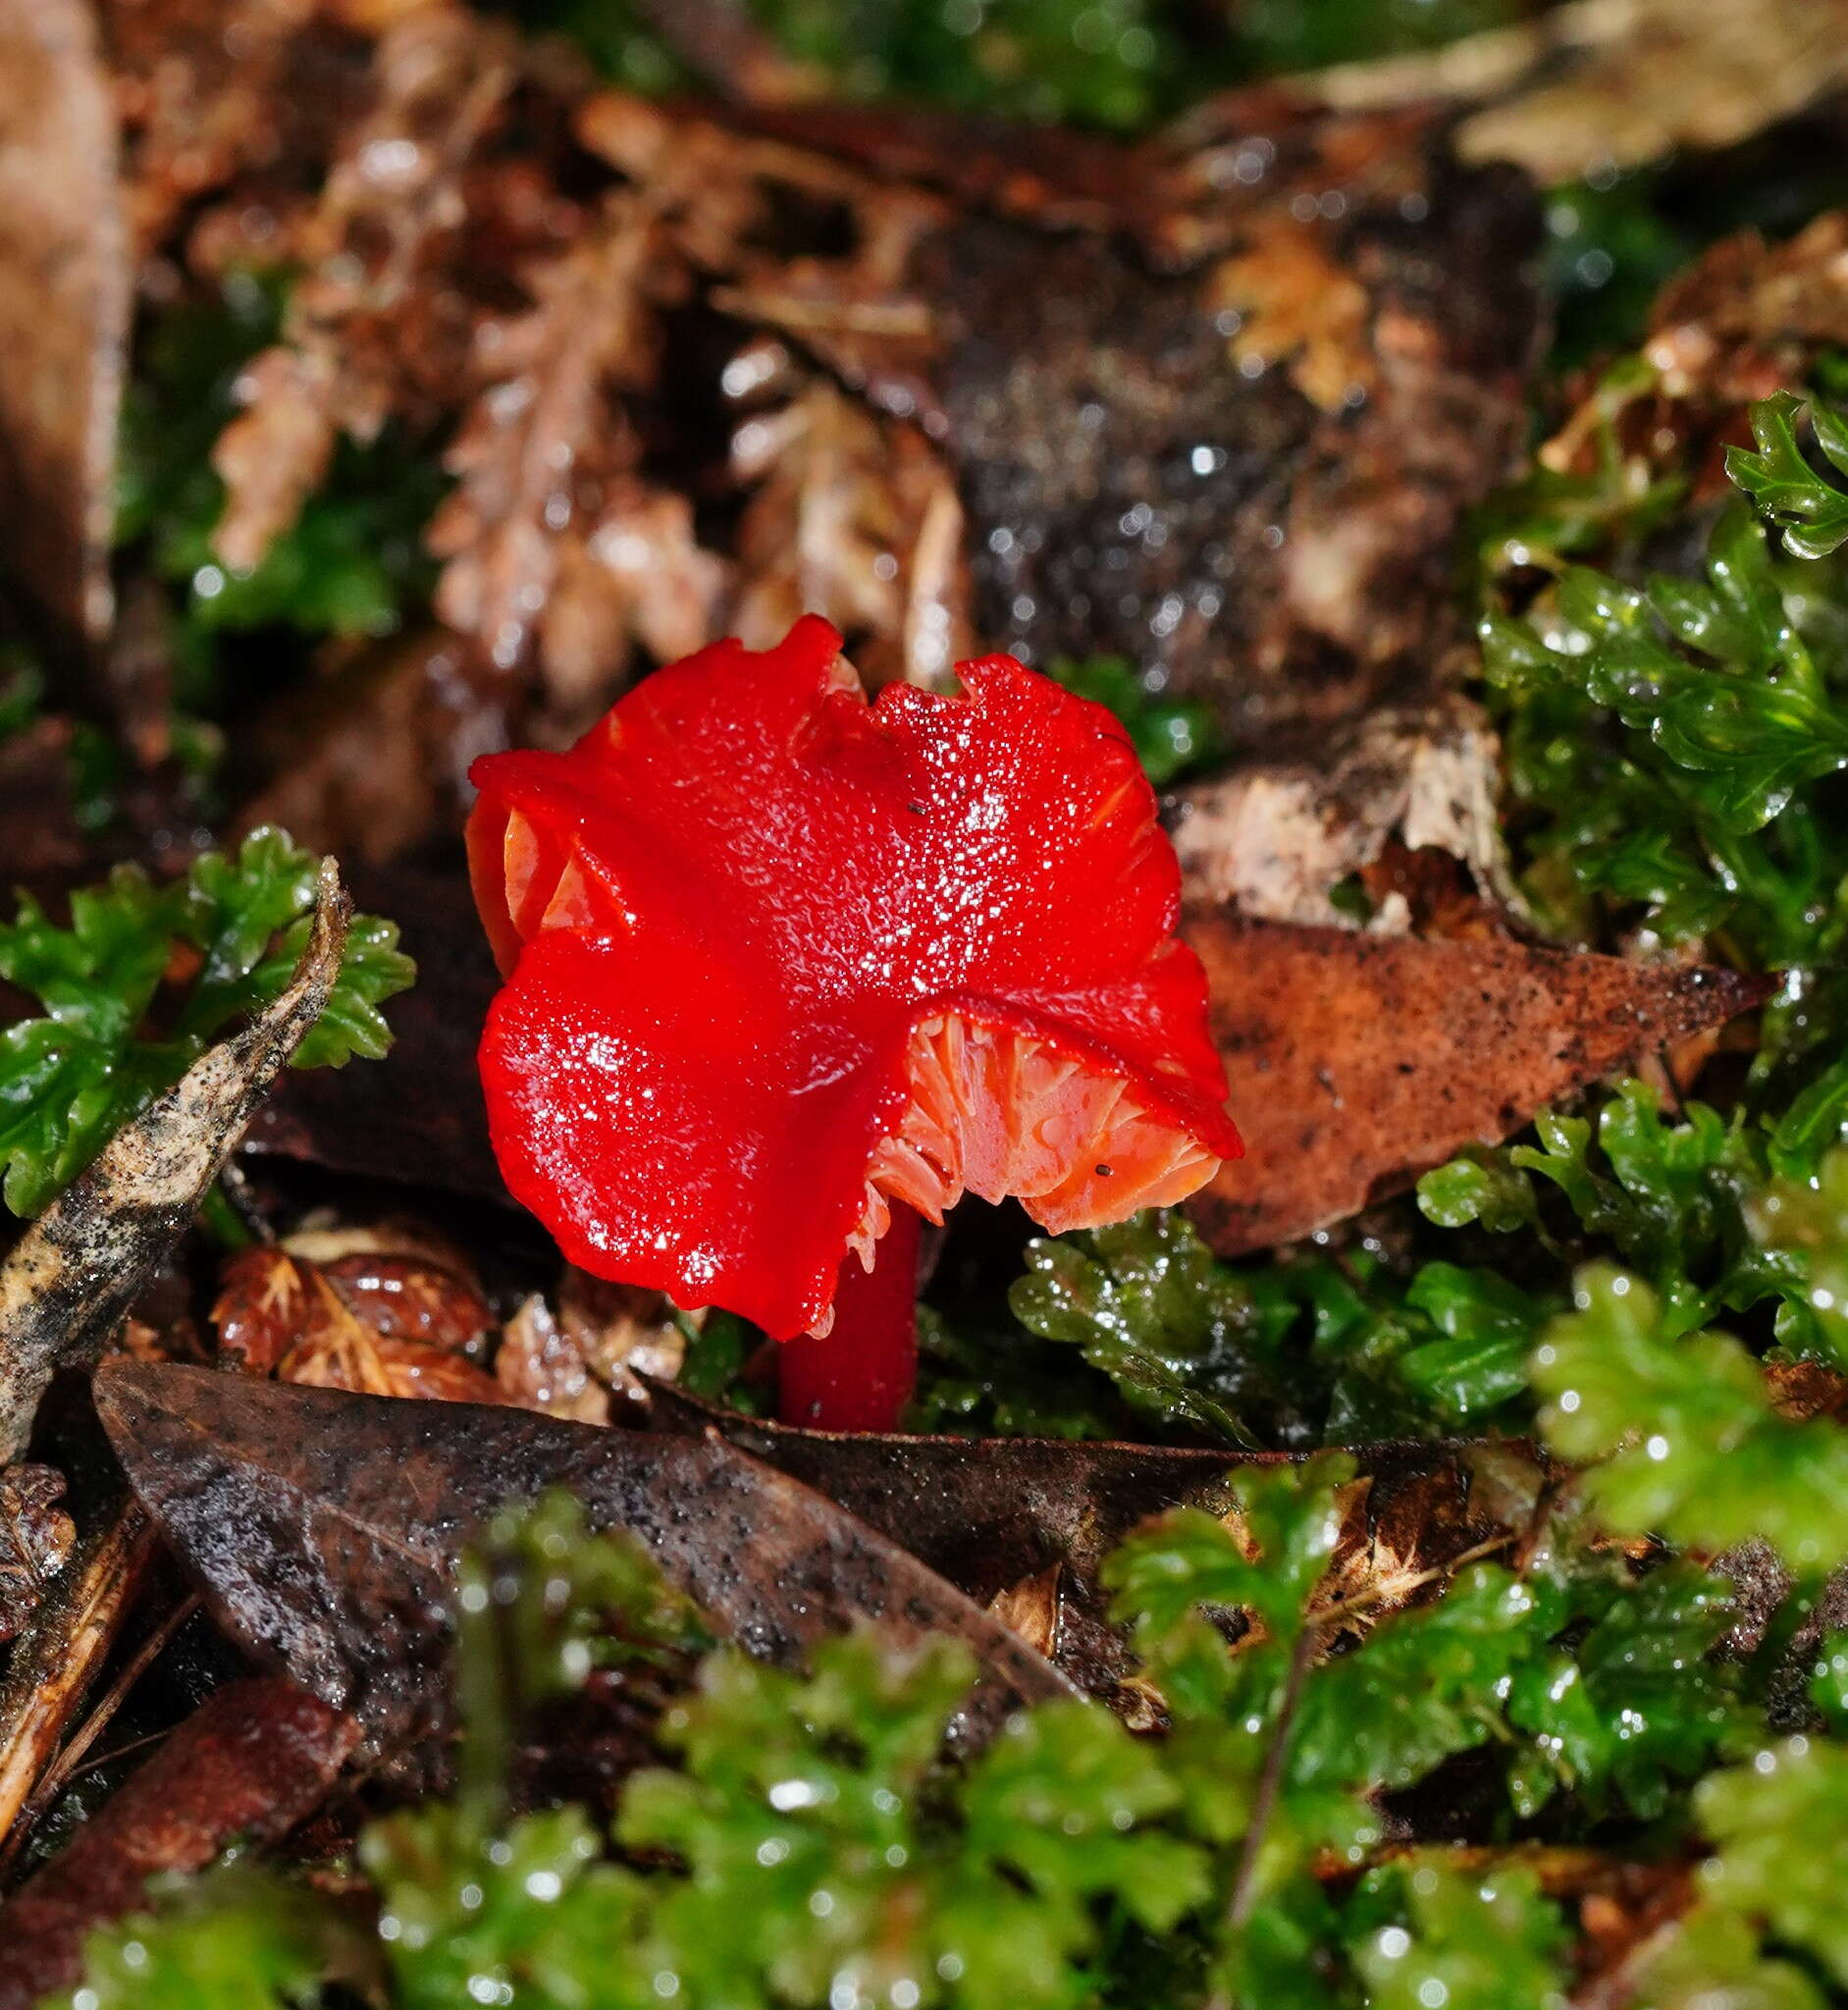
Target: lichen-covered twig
<point>76,1271</point>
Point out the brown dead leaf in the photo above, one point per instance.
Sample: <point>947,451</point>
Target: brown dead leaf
<point>548,459</point>
<point>438,77</point>
<point>1747,318</point>
<point>1807,1388</point>
<point>541,1367</point>
<point>212,90</point>
<point>1060,177</point>
<point>275,454</point>
<point>1130,490</point>
<point>708,186</point>
<point>995,1516</point>
<point>324,1530</point>
<point>637,574</point>
<point>1643,77</point>
<point>65,292</point>
<point>622,1331</point>
<point>1357,1062</point>
<point>1293,303</point>
<point>251,1761</point>
<point>1611,82</point>
<point>36,1537</point>
<point>1032,1607</point>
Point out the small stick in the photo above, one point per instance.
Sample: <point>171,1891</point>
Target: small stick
<point>69,1762</point>
<point>62,1651</point>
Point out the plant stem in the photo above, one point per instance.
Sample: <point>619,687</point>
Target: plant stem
<point>861,1376</point>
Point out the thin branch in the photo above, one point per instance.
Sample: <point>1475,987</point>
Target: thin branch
<point>69,1762</point>
<point>64,1649</point>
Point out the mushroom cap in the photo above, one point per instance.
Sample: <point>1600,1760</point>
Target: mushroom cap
<point>775,953</point>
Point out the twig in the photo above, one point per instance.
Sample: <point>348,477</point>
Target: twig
<point>69,1762</point>
<point>62,1651</point>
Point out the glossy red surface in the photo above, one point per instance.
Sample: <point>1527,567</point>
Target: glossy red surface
<point>726,906</point>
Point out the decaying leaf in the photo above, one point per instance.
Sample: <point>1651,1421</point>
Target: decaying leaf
<point>540,1366</point>
<point>1275,838</point>
<point>381,1319</point>
<point>65,288</point>
<point>323,1529</point>
<point>74,1272</point>
<point>1032,1607</point>
<point>1286,564</point>
<point>214,89</point>
<point>36,1537</point>
<point>623,1332</point>
<point>994,1516</point>
<point>1618,81</point>
<point>63,1646</point>
<point>1357,1062</point>
<point>1293,303</point>
<point>251,1761</point>
<point>1747,318</point>
<point>1646,76</point>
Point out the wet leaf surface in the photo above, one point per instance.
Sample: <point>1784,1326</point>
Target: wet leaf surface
<point>251,1762</point>
<point>323,1529</point>
<point>1357,1062</point>
<point>64,307</point>
<point>76,1271</point>
<point>995,1516</point>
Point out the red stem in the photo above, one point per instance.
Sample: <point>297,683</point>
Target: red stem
<point>861,1376</point>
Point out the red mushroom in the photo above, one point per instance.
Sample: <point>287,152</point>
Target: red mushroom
<point>786,970</point>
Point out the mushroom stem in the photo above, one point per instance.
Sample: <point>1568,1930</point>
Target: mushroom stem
<point>859,1375</point>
